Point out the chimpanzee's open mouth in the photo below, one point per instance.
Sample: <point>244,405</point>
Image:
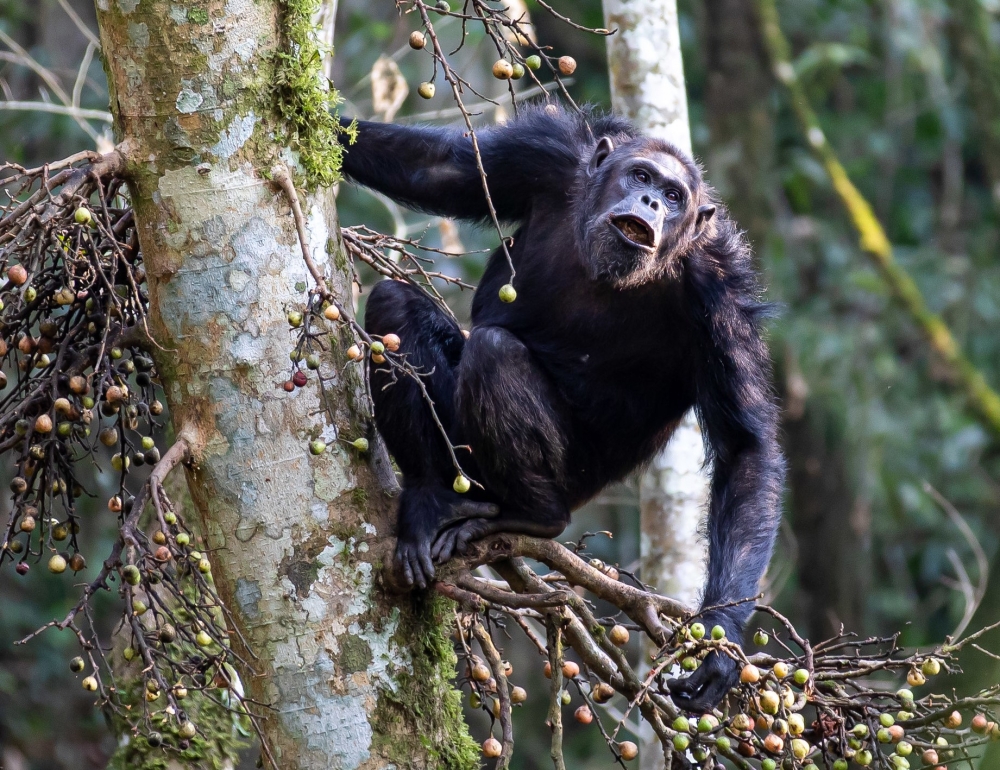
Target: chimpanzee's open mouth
<point>635,230</point>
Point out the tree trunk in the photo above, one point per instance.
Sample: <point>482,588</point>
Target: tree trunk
<point>832,524</point>
<point>647,86</point>
<point>354,677</point>
<point>647,72</point>
<point>740,162</point>
<point>974,42</point>
<point>738,111</point>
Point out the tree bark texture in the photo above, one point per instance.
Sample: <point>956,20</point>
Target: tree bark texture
<point>647,86</point>
<point>646,69</point>
<point>354,677</point>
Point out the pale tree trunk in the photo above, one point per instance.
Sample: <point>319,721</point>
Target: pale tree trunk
<point>326,24</point>
<point>356,677</point>
<point>647,86</point>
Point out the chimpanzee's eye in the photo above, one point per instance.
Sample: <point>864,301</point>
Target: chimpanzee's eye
<point>673,196</point>
<point>640,176</point>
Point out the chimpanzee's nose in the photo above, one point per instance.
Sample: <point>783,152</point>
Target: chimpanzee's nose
<point>651,202</point>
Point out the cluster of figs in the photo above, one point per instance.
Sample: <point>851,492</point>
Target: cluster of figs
<point>768,725</point>
<point>76,388</point>
<point>513,68</point>
<point>306,356</point>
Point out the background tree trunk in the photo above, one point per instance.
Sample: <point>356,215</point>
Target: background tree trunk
<point>831,524</point>
<point>740,162</point>
<point>356,678</point>
<point>738,112</point>
<point>647,86</point>
<point>975,44</point>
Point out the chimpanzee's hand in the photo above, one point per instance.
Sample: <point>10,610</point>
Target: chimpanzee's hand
<point>717,675</point>
<point>702,691</point>
<point>418,530</point>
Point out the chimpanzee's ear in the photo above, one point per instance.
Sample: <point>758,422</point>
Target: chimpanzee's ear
<point>705,214</point>
<point>604,148</point>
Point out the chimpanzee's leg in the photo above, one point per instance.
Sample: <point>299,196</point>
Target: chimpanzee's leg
<point>431,343</point>
<point>510,414</point>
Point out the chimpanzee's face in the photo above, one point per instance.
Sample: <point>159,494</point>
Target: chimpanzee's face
<point>641,211</point>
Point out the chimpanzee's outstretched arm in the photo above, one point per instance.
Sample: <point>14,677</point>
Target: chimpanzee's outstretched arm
<point>434,169</point>
<point>738,411</point>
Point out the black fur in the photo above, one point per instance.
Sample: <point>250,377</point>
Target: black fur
<point>584,377</point>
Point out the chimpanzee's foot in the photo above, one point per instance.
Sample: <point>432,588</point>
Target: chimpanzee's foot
<point>413,547</point>
<point>455,540</point>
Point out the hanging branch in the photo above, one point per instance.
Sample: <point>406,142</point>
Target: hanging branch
<point>83,384</point>
<point>513,64</point>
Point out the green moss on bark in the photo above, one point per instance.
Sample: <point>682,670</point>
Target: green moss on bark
<point>424,716</point>
<point>305,99</point>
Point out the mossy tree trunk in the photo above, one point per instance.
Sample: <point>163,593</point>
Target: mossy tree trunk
<point>354,676</point>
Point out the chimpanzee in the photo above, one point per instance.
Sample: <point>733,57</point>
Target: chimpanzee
<point>635,301</point>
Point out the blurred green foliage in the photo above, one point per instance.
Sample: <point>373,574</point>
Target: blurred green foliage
<point>870,418</point>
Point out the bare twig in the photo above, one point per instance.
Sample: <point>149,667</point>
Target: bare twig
<point>554,720</point>
<point>503,693</point>
<point>84,29</point>
<point>284,180</point>
<point>974,597</point>
<point>70,110</point>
